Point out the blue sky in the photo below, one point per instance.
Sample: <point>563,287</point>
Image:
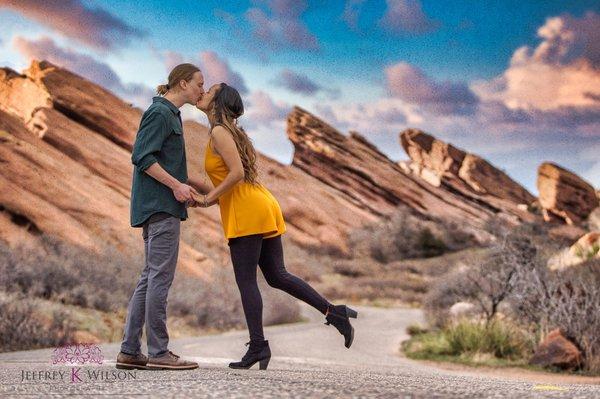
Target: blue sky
<point>376,66</point>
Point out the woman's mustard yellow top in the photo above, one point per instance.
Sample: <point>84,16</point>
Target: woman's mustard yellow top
<point>246,208</point>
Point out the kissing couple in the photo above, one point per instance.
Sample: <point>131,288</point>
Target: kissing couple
<point>252,220</point>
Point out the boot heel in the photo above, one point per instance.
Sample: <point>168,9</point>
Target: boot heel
<point>351,313</point>
<point>263,364</point>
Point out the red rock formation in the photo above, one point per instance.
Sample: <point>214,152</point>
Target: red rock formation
<point>356,169</point>
<point>44,85</point>
<point>564,195</point>
<point>67,171</point>
<point>586,247</point>
<point>437,162</point>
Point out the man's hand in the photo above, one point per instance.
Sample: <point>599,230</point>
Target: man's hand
<point>183,192</point>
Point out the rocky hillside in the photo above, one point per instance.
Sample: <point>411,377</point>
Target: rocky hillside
<point>360,172</point>
<point>65,151</point>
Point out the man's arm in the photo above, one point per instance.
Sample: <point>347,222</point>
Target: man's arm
<point>181,191</point>
<point>149,140</point>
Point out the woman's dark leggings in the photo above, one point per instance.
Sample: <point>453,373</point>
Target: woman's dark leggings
<point>252,250</point>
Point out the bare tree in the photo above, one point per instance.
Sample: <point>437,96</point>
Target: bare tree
<point>568,300</point>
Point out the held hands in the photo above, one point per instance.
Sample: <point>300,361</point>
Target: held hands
<point>199,200</point>
<point>183,193</point>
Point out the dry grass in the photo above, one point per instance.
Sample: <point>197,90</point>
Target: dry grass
<point>79,281</point>
<point>23,326</point>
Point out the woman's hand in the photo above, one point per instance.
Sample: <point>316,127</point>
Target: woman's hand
<point>202,201</point>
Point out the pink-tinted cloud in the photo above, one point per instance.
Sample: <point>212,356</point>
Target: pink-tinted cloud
<point>172,59</point>
<point>261,109</point>
<point>406,16</point>
<point>410,84</point>
<point>94,27</point>
<point>217,69</point>
<point>214,68</point>
<point>566,38</point>
<point>84,65</point>
<point>280,25</point>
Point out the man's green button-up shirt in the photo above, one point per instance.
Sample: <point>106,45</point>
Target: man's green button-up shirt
<point>159,139</point>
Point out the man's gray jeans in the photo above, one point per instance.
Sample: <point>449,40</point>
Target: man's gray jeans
<point>149,300</point>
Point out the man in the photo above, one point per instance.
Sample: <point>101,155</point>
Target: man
<point>159,200</point>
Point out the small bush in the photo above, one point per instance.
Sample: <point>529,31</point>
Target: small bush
<point>22,327</point>
<point>566,299</point>
<point>501,339</point>
<point>69,274</point>
<point>468,340</point>
<point>589,254</point>
<point>427,346</point>
<point>405,235</point>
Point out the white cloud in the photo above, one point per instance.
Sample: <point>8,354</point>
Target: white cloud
<point>562,71</point>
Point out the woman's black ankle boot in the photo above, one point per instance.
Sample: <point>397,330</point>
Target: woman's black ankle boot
<point>258,351</point>
<point>339,316</point>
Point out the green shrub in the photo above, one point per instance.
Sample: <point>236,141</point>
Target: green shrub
<point>467,339</point>
<point>427,346</point>
<point>498,338</point>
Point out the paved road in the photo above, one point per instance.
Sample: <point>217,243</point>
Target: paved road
<point>309,360</point>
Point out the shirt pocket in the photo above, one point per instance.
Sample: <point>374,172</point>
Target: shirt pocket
<point>174,143</point>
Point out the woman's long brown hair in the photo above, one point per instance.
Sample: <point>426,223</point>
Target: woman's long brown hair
<point>228,106</point>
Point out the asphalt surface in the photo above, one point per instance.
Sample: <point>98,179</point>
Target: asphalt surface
<point>309,361</point>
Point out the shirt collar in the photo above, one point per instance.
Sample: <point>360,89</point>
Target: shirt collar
<point>168,103</point>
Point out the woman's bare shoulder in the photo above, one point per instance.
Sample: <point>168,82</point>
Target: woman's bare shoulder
<point>220,131</point>
<point>222,137</point>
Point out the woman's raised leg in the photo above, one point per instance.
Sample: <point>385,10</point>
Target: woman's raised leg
<point>272,266</point>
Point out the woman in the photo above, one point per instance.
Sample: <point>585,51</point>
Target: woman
<point>252,223</point>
